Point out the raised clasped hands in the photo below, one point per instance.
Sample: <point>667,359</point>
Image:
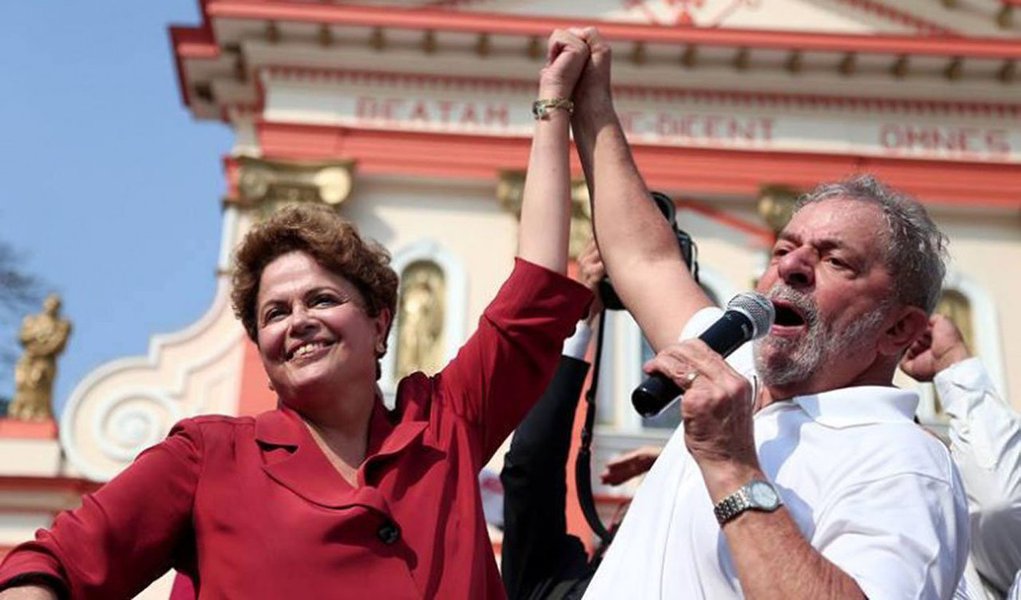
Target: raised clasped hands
<point>566,56</point>
<point>593,89</point>
<point>717,413</point>
<point>577,67</point>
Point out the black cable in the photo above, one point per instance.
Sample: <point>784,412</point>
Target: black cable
<point>583,462</point>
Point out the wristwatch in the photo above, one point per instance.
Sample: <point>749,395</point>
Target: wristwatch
<point>757,494</point>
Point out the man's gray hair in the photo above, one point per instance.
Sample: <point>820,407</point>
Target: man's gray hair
<point>915,247</point>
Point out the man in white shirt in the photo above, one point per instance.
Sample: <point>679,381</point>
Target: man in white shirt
<point>985,440</point>
<point>797,473</point>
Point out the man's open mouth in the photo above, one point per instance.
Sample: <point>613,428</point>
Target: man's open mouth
<point>788,315</point>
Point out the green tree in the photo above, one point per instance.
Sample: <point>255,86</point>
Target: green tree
<point>19,295</point>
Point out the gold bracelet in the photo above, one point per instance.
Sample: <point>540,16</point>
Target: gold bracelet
<point>541,108</point>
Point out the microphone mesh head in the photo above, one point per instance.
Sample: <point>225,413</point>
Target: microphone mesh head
<point>757,308</point>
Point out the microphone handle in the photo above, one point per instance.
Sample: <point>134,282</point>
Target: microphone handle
<point>728,333</point>
<point>724,336</point>
<point>654,394</point>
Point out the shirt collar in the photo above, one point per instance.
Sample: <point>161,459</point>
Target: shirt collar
<point>283,427</point>
<point>279,427</point>
<point>306,471</point>
<point>860,405</point>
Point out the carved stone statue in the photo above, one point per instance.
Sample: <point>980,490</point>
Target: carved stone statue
<point>420,321</point>
<point>43,336</point>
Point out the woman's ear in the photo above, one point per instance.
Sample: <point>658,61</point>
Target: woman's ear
<point>382,324</point>
<point>911,323</point>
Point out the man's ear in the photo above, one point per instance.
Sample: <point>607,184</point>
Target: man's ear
<point>911,323</point>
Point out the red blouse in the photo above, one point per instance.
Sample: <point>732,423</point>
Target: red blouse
<point>251,508</point>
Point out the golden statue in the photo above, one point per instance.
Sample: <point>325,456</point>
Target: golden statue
<point>776,205</point>
<point>420,320</point>
<point>43,336</point>
<point>955,306</point>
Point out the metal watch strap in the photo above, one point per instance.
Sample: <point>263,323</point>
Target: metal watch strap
<point>768,499</point>
<point>731,506</point>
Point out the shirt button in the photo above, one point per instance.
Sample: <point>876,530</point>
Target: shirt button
<point>389,532</point>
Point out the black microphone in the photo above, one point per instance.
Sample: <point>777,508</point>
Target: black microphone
<point>749,316</point>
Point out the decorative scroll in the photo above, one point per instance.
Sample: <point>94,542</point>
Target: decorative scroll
<point>127,405</point>
<point>267,185</point>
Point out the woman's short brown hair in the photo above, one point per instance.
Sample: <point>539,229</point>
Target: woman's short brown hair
<point>325,236</point>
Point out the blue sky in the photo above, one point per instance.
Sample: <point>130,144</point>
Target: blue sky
<point>110,189</point>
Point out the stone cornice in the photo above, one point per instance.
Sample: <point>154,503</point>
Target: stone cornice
<point>216,50</point>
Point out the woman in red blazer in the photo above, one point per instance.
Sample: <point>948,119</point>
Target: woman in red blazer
<point>331,495</point>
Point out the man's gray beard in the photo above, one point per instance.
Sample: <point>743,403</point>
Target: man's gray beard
<point>795,360</point>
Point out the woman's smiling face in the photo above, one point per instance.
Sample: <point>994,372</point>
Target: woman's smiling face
<point>313,332</point>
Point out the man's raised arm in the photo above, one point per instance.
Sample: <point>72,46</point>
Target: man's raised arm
<point>639,249</point>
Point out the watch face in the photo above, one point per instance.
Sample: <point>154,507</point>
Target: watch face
<point>763,495</point>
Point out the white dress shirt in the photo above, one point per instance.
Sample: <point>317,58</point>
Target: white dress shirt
<point>985,440</point>
<point>874,493</point>
<point>576,346</point>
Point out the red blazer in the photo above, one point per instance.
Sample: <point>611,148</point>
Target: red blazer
<point>251,508</point>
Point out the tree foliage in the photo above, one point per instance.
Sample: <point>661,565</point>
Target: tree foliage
<point>19,295</point>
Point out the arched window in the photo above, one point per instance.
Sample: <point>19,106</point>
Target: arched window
<point>429,325</point>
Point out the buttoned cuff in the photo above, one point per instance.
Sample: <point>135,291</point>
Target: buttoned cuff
<point>24,566</point>
<point>968,375</point>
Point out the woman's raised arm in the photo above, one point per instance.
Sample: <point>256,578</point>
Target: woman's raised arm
<point>546,202</point>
